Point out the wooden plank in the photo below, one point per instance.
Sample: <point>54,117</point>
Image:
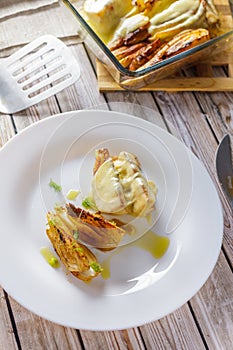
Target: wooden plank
<point>126,339</point>
<point>215,302</point>
<point>204,70</point>
<point>36,333</point>
<point>7,338</point>
<point>176,331</point>
<point>193,119</point>
<point>6,129</point>
<point>24,27</point>
<point>230,70</point>
<point>84,93</point>
<point>217,110</point>
<point>208,84</point>
<point>141,105</point>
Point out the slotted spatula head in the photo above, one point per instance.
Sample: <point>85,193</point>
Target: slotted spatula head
<point>37,71</point>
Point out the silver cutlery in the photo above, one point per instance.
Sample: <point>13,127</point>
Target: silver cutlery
<point>224,167</point>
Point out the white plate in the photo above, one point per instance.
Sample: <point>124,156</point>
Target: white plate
<point>141,288</point>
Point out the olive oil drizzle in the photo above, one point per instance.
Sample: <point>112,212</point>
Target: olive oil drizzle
<point>151,242</point>
<point>49,257</point>
<point>154,244</point>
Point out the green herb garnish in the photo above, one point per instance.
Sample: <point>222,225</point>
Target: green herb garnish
<point>51,223</point>
<point>79,249</point>
<point>88,203</point>
<point>76,234</point>
<point>58,208</point>
<point>55,186</point>
<point>96,267</point>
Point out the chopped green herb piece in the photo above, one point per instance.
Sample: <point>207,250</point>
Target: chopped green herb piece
<point>88,203</point>
<point>79,249</point>
<point>54,221</point>
<point>76,234</point>
<point>58,208</point>
<point>51,223</point>
<point>96,267</point>
<point>55,186</point>
<point>72,195</point>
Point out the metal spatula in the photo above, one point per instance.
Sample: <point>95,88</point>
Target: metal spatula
<point>37,71</point>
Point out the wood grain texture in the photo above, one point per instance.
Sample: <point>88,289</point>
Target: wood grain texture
<point>217,110</point>
<point>6,129</point>
<point>84,93</point>
<point>126,339</point>
<point>208,83</point>
<point>218,335</point>
<point>7,337</point>
<point>36,333</point>
<point>177,331</point>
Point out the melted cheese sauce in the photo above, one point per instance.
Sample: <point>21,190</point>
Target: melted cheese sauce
<point>107,191</point>
<point>175,10</point>
<point>120,187</point>
<point>130,24</point>
<point>104,15</point>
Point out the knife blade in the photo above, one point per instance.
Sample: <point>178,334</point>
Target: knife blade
<point>224,167</point>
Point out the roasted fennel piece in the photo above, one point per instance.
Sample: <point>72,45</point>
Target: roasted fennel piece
<point>71,229</point>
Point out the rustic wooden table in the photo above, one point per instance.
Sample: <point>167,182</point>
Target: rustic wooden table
<point>206,321</point>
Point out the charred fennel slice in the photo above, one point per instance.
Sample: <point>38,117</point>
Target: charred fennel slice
<point>69,227</point>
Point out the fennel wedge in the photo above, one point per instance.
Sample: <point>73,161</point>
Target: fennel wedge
<point>69,229</point>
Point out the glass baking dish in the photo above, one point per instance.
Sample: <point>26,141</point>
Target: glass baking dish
<point>133,80</point>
